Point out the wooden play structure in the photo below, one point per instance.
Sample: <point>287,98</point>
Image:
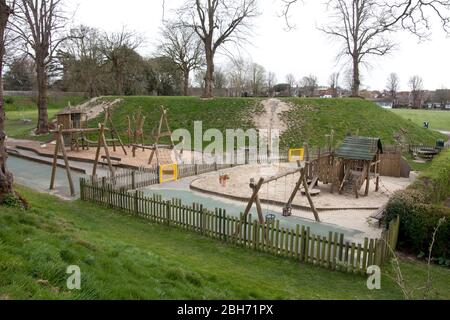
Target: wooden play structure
<point>287,209</point>
<point>61,148</point>
<point>355,163</point>
<point>136,134</point>
<point>157,134</point>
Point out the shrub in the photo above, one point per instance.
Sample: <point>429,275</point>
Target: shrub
<point>418,222</point>
<point>8,100</point>
<point>435,181</point>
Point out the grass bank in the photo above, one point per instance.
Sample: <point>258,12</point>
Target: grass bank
<point>312,119</point>
<point>122,257</point>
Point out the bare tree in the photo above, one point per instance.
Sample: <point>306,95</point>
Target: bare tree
<point>290,80</point>
<point>6,178</point>
<point>358,25</point>
<point>309,85</point>
<point>217,22</point>
<point>416,86</point>
<point>117,47</point>
<point>333,82</point>
<point>184,48</point>
<point>392,86</point>
<point>220,79</point>
<point>271,82</point>
<point>83,52</point>
<point>258,78</point>
<point>40,25</point>
<point>363,26</point>
<point>239,76</point>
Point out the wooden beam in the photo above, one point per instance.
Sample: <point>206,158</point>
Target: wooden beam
<point>311,202</point>
<point>55,158</point>
<point>66,162</point>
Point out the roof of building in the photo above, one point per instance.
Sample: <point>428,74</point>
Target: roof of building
<point>70,110</point>
<point>359,148</point>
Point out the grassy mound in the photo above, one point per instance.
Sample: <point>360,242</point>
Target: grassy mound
<point>217,113</point>
<point>123,257</point>
<point>312,119</point>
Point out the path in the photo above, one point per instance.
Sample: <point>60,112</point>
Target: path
<point>271,118</point>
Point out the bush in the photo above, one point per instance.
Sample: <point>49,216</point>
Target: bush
<point>8,100</point>
<point>435,181</point>
<point>418,221</point>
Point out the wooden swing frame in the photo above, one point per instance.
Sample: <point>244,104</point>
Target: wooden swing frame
<point>256,188</point>
<point>60,148</point>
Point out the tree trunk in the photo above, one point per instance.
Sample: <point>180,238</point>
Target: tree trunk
<point>356,77</point>
<point>209,76</point>
<point>6,178</point>
<point>186,83</point>
<point>42,125</point>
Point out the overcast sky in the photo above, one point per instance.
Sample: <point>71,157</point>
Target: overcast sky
<point>301,51</point>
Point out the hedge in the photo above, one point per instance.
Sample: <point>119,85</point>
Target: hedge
<point>420,209</point>
<point>435,181</point>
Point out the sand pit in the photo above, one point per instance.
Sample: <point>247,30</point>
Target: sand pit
<point>343,210</point>
<point>238,187</point>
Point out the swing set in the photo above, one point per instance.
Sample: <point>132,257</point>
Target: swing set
<point>60,148</point>
<point>287,209</point>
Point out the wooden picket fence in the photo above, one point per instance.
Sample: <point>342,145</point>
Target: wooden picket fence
<point>332,252</point>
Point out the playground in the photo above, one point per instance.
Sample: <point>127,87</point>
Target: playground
<point>337,189</point>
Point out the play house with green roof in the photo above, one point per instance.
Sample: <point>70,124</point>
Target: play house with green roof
<point>359,162</point>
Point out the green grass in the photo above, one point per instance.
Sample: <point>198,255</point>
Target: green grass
<point>20,108</point>
<point>217,113</point>
<point>439,120</point>
<point>123,257</point>
<point>312,119</point>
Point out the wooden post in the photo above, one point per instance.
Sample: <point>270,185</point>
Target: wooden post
<point>60,145</point>
<point>66,162</point>
<point>311,203</point>
<point>55,159</point>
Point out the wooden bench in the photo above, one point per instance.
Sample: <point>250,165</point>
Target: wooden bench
<point>115,159</point>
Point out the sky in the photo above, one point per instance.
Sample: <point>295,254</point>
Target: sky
<point>301,51</point>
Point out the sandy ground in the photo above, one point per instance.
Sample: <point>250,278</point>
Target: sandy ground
<point>141,160</point>
<point>271,119</point>
<point>343,210</point>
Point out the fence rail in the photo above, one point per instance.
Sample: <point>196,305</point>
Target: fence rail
<point>332,251</point>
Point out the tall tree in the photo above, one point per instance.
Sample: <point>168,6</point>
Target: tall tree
<point>40,25</point>
<point>392,86</point>
<point>364,26</point>
<point>290,80</point>
<point>416,86</point>
<point>6,178</point>
<point>309,85</point>
<point>217,22</point>
<point>83,61</point>
<point>333,82</point>
<point>20,75</point>
<point>184,48</point>
<point>258,78</point>
<point>271,82</point>
<point>117,47</point>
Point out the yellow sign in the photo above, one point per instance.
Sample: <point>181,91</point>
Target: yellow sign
<point>296,155</point>
<point>168,172</point>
